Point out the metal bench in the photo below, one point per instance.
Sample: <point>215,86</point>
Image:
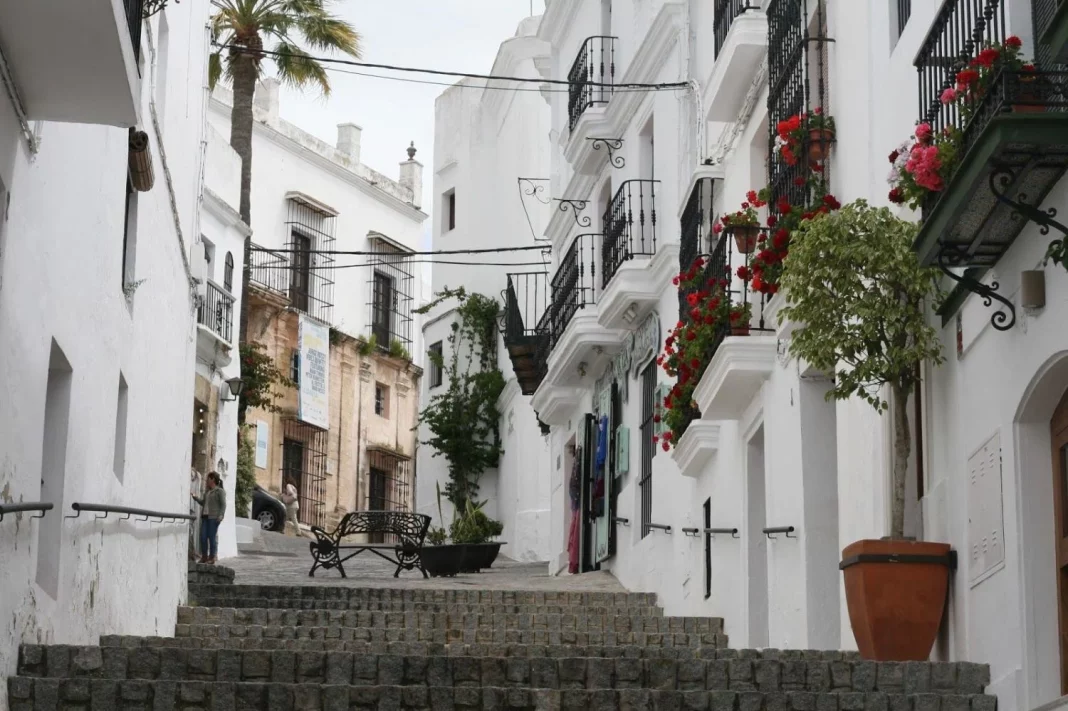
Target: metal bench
<point>328,551</point>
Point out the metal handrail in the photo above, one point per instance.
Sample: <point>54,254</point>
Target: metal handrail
<point>105,509</point>
<point>659,526</point>
<point>621,521</point>
<point>41,506</point>
<point>769,532</point>
<point>714,531</point>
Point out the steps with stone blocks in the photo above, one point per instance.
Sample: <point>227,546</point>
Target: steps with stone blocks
<point>334,649</point>
<point>210,575</point>
<point>294,597</point>
<point>52,694</point>
<point>768,672</point>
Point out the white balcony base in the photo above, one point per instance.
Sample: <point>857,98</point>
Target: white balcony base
<point>736,66</point>
<point>698,444</point>
<point>738,370</point>
<point>638,282</point>
<point>72,61</point>
<point>212,349</point>
<point>554,405</point>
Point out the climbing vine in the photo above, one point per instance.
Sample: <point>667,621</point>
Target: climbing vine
<point>263,380</point>
<point>464,420</point>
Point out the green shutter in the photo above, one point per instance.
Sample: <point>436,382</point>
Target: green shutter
<point>622,450</point>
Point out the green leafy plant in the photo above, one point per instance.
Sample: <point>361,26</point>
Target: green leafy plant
<point>437,535</point>
<point>263,381</point>
<point>854,282</point>
<point>474,526</point>
<point>246,473</point>
<point>463,419</point>
<point>367,346</point>
<point>397,350</point>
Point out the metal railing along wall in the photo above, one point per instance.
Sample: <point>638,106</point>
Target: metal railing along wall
<point>38,507</point>
<point>573,283</point>
<point>724,15</point>
<point>629,226</point>
<point>108,509</point>
<point>591,77</point>
<point>216,311</point>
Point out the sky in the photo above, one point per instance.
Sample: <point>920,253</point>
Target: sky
<point>453,35</point>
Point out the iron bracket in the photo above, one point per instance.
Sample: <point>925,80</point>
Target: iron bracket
<point>691,532</point>
<point>530,187</point>
<point>152,7</point>
<point>770,532</point>
<point>576,206</point>
<point>613,145</point>
<point>953,255</point>
<point>1003,177</point>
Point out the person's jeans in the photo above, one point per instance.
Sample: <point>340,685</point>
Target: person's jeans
<point>209,537</point>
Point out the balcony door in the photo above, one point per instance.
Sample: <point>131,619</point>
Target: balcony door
<point>1059,436</point>
<point>300,279</point>
<point>293,471</point>
<point>382,309</point>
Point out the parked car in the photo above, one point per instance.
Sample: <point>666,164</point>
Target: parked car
<point>269,511</point>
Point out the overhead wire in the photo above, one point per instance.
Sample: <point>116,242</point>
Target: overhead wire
<point>394,255</point>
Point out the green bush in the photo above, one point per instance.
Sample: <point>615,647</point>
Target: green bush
<point>246,473</point>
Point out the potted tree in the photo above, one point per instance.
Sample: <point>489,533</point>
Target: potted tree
<point>854,282</point>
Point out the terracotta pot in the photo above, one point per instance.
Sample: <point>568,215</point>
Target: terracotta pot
<point>896,594</point>
<point>819,144</point>
<point>1035,93</point>
<point>740,330</point>
<point>745,237</point>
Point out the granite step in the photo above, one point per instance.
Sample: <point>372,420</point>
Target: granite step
<point>396,606</point>
<point>584,621</point>
<point>469,636</point>
<point>767,675</point>
<point>30,694</point>
<point>202,574</point>
<point>291,594</point>
<point>424,649</point>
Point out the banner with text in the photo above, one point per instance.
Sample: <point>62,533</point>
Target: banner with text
<point>314,341</point>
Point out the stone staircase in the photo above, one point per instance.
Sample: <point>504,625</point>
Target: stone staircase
<point>334,649</point>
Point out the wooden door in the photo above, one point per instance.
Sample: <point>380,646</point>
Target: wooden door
<point>1059,435</point>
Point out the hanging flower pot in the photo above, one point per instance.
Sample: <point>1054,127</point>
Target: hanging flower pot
<point>741,330</point>
<point>896,595</point>
<point>1033,92</point>
<point>745,237</point>
<point>819,144</point>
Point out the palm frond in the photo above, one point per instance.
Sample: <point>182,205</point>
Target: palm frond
<point>215,69</point>
<point>298,69</point>
<point>323,31</point>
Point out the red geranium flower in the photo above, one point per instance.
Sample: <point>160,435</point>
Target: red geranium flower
<point>896,196</point>
<point>799,181</point>
<point>783,206</point>
<point>894,156</point>
<point>675,280</point>
<point>690,335</point>
<point>832,202</point>
<point>694,363</point>
<point>743,273</point>
<point>1013,42</point>
<point>692,299</point>
<point>772,220</point>
<point>666,446</point>
<point>656,418</point>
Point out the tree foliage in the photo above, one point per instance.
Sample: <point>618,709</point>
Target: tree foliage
<point>246,473</point>
<point>464,420</point>
<point>263,380</point>
<point>853,281</point>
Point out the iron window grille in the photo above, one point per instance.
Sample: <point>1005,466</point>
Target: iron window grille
<point>389,484</point>
<point>590,81</point>
<point>310,232</point>
<point>304,463</point>
<point>797,82</point>
<point>381,400</point>
<point>390,285</point>
<point>216,311</point>
<point>904,11</point>
<point>724,15</point>
<point>629,226</point>
<point>645,482</point>
<point>573,283</point>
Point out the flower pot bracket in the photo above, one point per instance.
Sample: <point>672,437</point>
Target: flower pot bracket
<point>949,560</point>
<point>576,207</point>
<point>612,145</point>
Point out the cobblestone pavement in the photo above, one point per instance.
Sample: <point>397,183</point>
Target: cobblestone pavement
<point>274,559</point>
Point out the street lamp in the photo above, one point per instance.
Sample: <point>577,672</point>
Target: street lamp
<point>236,386</point>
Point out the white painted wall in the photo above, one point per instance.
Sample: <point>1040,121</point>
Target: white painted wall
<point>485,141</point>
<point>61,283</point>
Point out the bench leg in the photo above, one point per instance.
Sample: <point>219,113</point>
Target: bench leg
<point>311,573</point>
<point>396,573</point>
<point>423,570</point>
<point>341,569</point>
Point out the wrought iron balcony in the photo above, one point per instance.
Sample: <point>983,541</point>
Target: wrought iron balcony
<point>1010,152</point>
<point>526,327</point>
<point>1051,29</point>
<point>629,226</point>
<point>573,284</point>
<point>216,312</point>
<point>725,13</point>
<point>295,275</point>
<point>591,77</point>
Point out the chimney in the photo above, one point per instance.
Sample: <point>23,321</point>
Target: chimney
<point>411,176</point>
<point>348,141</point>
<point>266,98</point>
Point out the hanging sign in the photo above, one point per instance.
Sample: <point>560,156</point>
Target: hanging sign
<point>314,339</point>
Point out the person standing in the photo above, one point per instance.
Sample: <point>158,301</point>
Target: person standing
<point>213,511</point>
<point>292,502</point>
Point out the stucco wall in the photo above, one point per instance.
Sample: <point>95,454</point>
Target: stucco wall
<point>61,286</point>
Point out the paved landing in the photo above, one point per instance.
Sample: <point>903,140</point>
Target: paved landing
<point>274,559</point>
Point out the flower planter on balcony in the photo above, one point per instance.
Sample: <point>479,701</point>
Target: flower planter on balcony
<point>819,144</point>
<point>745,237</point>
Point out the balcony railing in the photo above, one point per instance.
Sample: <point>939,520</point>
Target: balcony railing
<point>956,36</point>
<point>573,283</point>
<point>216,312</point>
<point>694,231</point>
<point>725,13</point>
<point>525,327</point>
<point>904,11</point>
<point>629,226</point>
<point>135,11</point>
<point>591,77</point>
<point>296,275</point>
<point>269,270</point>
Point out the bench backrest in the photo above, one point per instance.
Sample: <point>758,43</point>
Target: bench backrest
<point>411,528</point>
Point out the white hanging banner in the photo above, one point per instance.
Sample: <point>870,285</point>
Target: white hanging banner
<point>314,341</point>
<point>261,444</point>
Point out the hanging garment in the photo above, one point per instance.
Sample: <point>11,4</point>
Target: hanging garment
<point>602,441</point>
<point>575,483</point>
<point>575,491</point>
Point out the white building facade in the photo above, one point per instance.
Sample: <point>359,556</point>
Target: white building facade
<point>491,191</point>
<point>101,109</point>
<point>667,124</point>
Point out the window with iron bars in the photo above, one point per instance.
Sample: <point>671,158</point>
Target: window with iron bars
<point>304,465</point>
<point>645,483</point>
<point>309,265</point>
<point>390,306</point>
<point>389,485</point>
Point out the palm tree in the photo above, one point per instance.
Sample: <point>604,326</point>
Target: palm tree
<point>240,28</point>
